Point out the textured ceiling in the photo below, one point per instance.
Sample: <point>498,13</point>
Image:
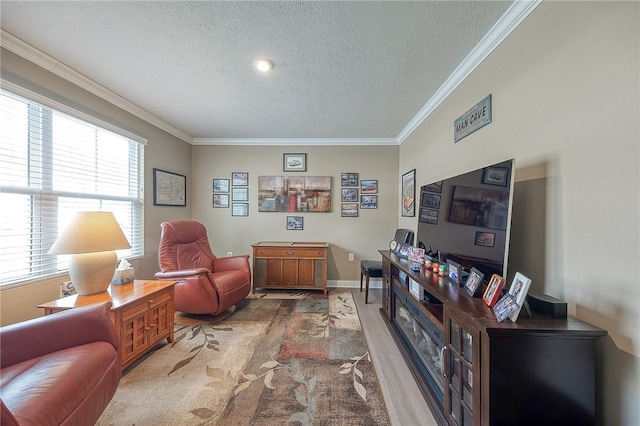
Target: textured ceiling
<point>342,69</point>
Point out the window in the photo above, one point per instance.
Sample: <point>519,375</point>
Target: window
<point>53,164</point>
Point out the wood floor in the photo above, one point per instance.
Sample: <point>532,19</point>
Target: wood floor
<point>405,403</point>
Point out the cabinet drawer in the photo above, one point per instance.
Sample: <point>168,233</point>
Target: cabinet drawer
<point>134,309</point>
<point>290,252</point>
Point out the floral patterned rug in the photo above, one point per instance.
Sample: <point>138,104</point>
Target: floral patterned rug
<point>300,361</point>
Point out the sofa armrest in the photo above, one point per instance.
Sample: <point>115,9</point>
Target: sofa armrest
<point>231,263</point>
<point>50,333</point>
<point>183,273</point>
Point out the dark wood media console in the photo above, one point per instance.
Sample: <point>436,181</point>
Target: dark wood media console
<point>474,370</point>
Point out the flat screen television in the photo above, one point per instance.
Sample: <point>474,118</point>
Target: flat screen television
<point>467,218</point>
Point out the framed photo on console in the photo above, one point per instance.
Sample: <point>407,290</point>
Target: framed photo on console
<point>505,307</point>
<point>519,289</point>
<point>473,282</point>
<point>454,271</point>
<point>493,291</point>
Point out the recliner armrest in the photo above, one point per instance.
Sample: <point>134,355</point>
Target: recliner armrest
<point>231,263</point>
<point>183,273</point>
<point>50,333</point>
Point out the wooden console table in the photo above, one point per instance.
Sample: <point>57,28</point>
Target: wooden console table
<point>290,265</point>
<point>142,312</point>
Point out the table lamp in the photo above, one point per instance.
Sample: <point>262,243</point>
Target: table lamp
<point>91,238</point>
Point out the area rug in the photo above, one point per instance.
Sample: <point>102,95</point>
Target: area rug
<point>300,361</point>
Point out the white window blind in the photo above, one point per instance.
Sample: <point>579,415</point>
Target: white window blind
<point>51,165</point>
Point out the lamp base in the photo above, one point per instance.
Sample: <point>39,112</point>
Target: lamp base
<point>91,273</point>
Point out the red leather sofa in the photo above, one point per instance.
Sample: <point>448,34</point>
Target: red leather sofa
<point>60,369</point>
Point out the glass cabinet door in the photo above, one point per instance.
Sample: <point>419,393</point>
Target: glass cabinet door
<point>462,399</point>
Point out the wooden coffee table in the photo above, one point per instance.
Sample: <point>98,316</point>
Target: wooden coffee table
<point>142,312</point>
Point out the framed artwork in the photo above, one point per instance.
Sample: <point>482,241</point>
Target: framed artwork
<point>221,185</point>
<point>496,176</point>
<point>369,186</point>
<point>472,285</point>
<point>519,289</point>
<point>493,291</point>
<point>486,208</point>
<point>409,193</point>
<point>349,194</point>
<point>454,271</point>
<point>239,178</point>
<point>239,209</point>
<point>311,194</point>
<point>240,194</point>
<point>295,223</point>
<point>349,179</point>
<point>431,200</point>
<point>294,163</point>
<point>368,201</point>
<point>220,201</point>
<point>428,216</point>
<point>169,189</point>
<point>349,210</point>
<point>433,187</point>
<point>485,239</point>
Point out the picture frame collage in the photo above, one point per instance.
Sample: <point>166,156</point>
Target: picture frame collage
<point>356,194</point>
<point>232,193</point>
<point>430,200</point>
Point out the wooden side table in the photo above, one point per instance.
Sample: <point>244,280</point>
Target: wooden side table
<point>142,312</point>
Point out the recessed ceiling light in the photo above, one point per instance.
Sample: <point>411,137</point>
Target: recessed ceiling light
<point>264,65</point>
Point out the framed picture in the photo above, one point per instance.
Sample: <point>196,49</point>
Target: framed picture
<point>368,201</point>
<point>472,285</point>
<point>431,200</point>
<point>221,185</point>
<point>428,216</point>
<point>519,289</point>
<point>493,291</point>
<point>496,176</point>
<point>240,194</point>
<point>349,210</point>
<point>433,187</point>
<point>369,186</point>
<point>485,239</point>
<point>310,194</point>
<point>505,307</point>
<point>239,178</point>
<point>454,271</point>
<point>409,193</point>
<point>294,163</point>
<point>220,201</point>
<point>239,209</point>
<point>295,223</point>
<point>169,189</point>
<point>349,179</point>
<point>349,194</point>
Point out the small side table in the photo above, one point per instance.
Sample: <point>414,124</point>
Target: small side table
<point>142,313</point>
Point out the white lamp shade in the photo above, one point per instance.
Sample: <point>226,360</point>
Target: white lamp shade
<point>91,238</point>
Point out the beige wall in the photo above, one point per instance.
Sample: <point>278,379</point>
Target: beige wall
<point>363,236</point>
<point>565,88</point>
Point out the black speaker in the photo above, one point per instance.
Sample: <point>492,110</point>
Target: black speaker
<point>547,305</point>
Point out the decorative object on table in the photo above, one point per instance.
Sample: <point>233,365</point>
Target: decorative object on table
<point>505,307</point>
<point>455,271</point>
<point>295,223</point>
<point>294,194</point>
<point>221,185</point>
<point>91,239</point>
<point>239,178</point>
<point>485,239</point>
<point>519,288</point>
<point>67,289</point>
<point>239,209</point>
<point>493,291</point>
<point>472,285</point>
<point>169,189</point>
<point>496,176</point>
<point>369,186</point>
<point>403,250</point>
<point>349,179</point>
<point>240,194</point>
<point>393,244</point>
<point>472,120</point>
<point>349,195</point>
<point>294,162</point>
<point>368,201</point>
<point>349,209</point>
<point>220,201</point>
<point>408,192</point>
<point>124,273</point>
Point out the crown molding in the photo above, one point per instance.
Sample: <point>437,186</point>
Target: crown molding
<point>30,53</point>
<point>294,141</point>
<point>518,11</point>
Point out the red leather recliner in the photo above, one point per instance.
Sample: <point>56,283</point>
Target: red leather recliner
<point>206,284</point>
